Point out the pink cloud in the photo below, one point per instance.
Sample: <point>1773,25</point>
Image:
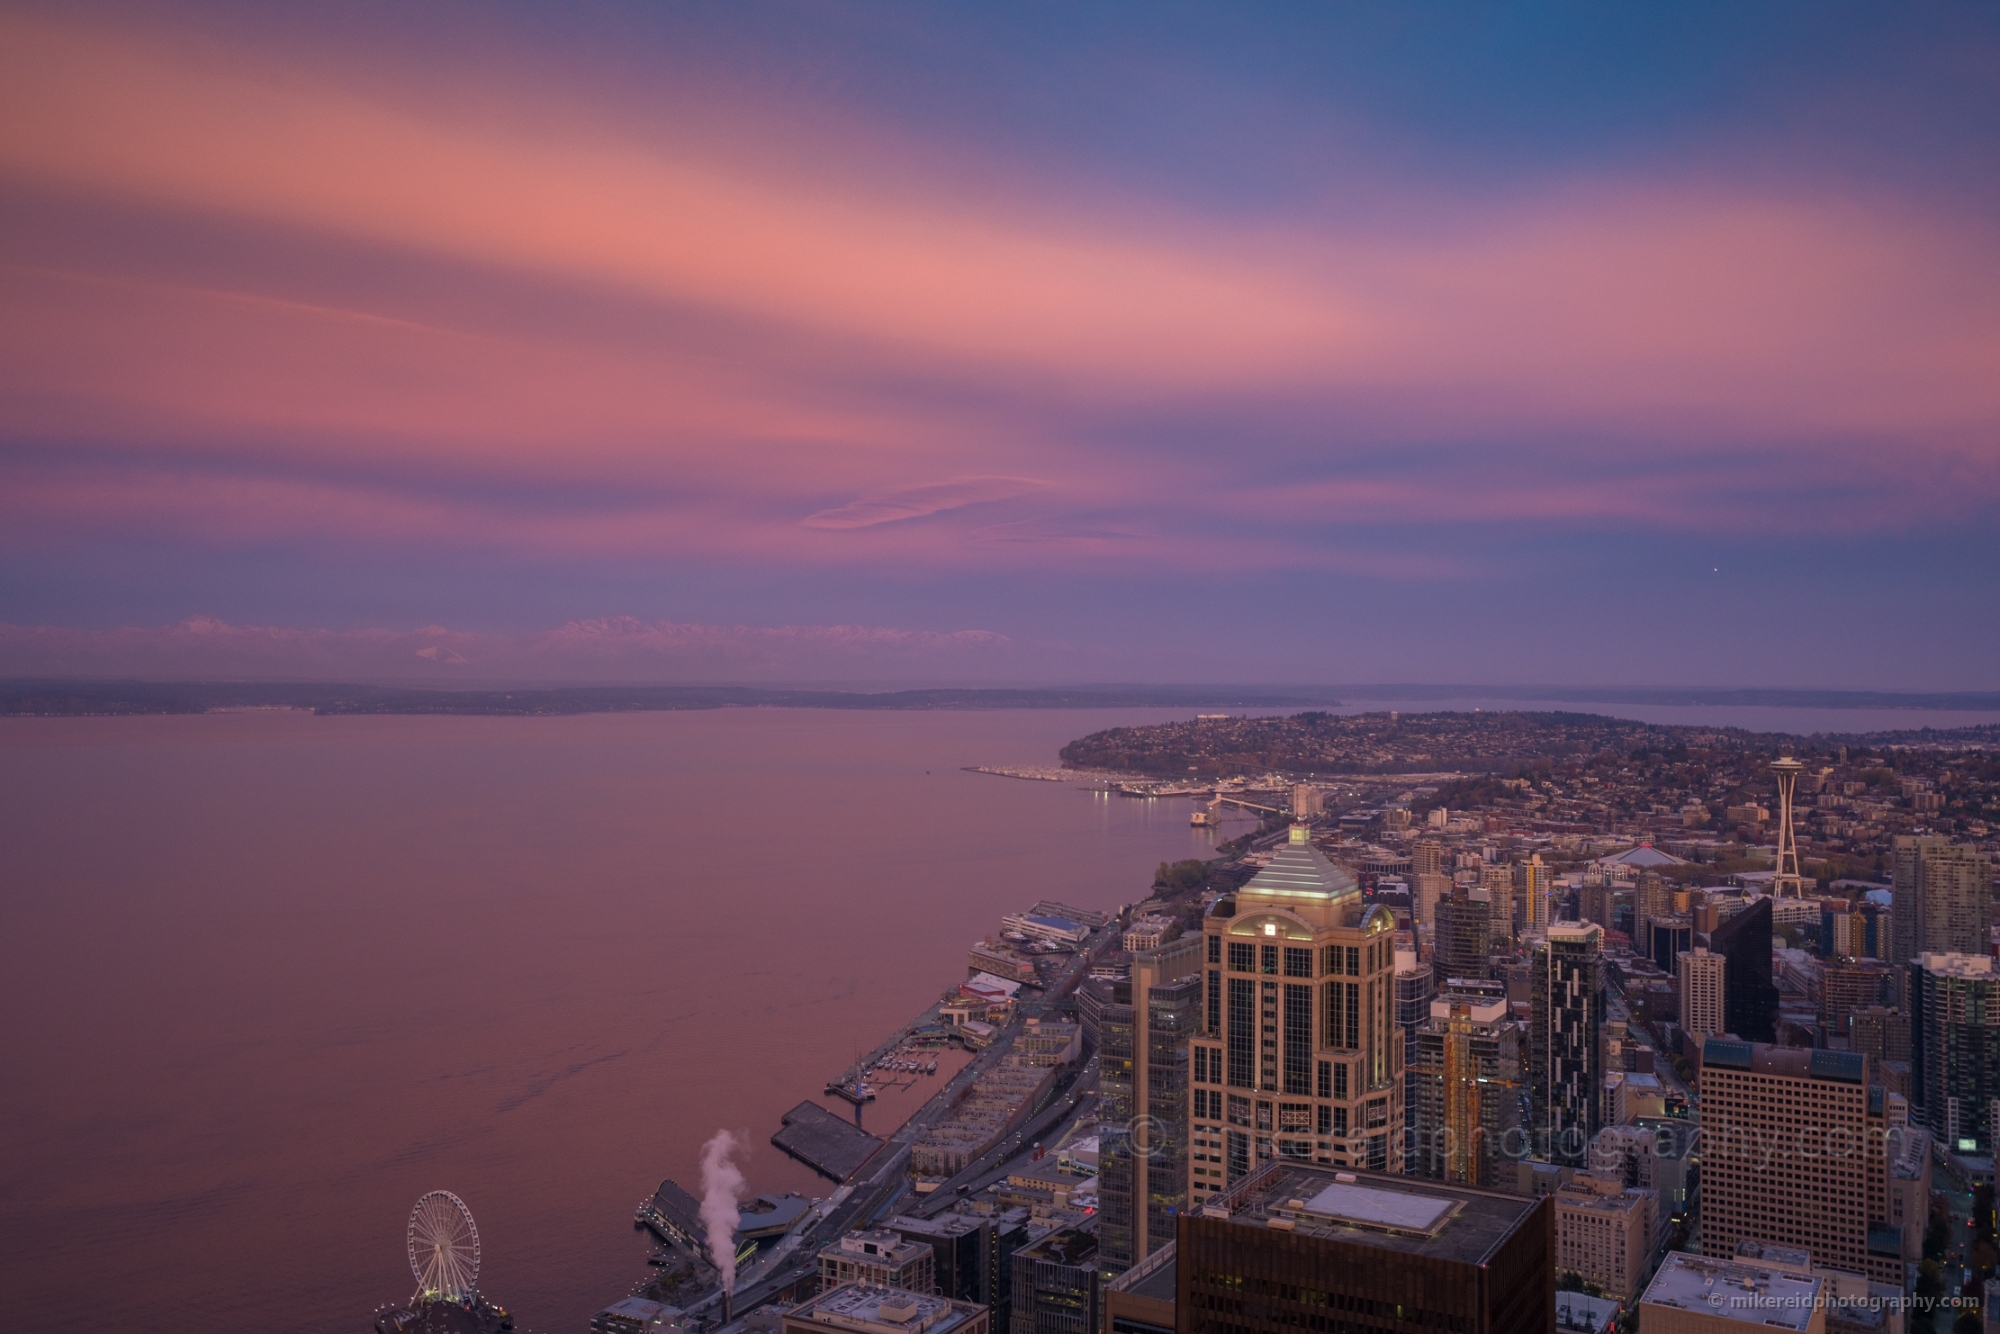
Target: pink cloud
<point>1721,345</point>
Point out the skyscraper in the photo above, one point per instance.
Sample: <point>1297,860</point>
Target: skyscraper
<point>1415,985</point>
<point>1143,1081</point>
<point>1462,945</point>
<point>1534,889</point>
<point>1566,1031</point>
<point>1795,1150</point>
<point>1466,1118</point>
<point>1943,897</point>
<point>1955,1048</point>
<point>1702,988</point>
<point>1750,997</point>
<point>1298,1054</point>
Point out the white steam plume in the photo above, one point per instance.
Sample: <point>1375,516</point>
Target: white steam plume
<point>721,1195</point>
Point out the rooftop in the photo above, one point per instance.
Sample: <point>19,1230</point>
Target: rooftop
<point>1365,1208</point>
<point>1756,1294</point>
<point>882,1244</point>
<point>863,1306</point>
<point>1300,870</point>
<point>1957,965</point>
<point>1846,1067</point>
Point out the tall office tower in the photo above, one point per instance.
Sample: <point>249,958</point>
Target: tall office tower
<point>1462,945</point>
<point>1795,1151</point>
<point>1466,1115</point>
<point>1652,900</point>
<point>1534,889</point>
<point>1142,1070</point>
<point>1943,897</point>
<point>1566,1039</point>
<point>1497,879</point>
<point>1427,858</point>
<point>1700,975</point>
<point>1415,985</point>
<point>1298,1054</point>
<point>1669,937</point>
<point>1955,1048</point>
<point>1302,1247</point>
<point>1750,997</point>
<point>1788,883</point>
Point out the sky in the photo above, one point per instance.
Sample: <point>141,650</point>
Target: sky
<point>1598,345</point>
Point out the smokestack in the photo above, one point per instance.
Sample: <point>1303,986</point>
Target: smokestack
<point>726,1305</point>
<point>721,1196</point>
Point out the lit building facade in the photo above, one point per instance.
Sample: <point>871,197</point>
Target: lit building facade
<point>1298,1054</point>
<point>1796,1150</point>
<point>1143,1081</point>
<point>1955,1048</point>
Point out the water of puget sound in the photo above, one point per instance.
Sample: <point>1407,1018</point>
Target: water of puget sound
<point>267,977</point>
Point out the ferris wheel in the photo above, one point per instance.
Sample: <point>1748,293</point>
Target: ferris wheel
<point>444,1248</point>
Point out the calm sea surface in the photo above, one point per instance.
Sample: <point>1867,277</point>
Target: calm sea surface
<point>267,978</point>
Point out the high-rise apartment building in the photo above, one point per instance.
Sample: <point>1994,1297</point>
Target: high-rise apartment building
<point>1298,1054</point>
<point>1303,1247</point>
<point>1427,858</point>
<point>1943,897</point>
<point>1462,944</point>
<point>1143,1140</point>
<point>1955,1048</point>
<point>1750,996</point>
<point>1795,1150</point>
<point>1497,879</point>
<point>1566,1039</point>
<point>1469,1080</point>
<point>1534,890</point>
<point>1702,986</point>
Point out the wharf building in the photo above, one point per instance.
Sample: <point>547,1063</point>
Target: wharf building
<point>1145,1029</point>
<point>1700,977</point>
<point>1298,1054</point>
<point>1466,1118</point>
<point>1955,1049</point>
<point>882,1258</point>
<point>1796,1150</point>
<point>1750,996</point>
<point>1566,1040</point>
<point>859,1308</point>
<point>1299,1246</point>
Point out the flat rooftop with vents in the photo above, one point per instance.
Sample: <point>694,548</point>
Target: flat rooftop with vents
<point>1692,1292</point>
<point>1406,1214</point>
